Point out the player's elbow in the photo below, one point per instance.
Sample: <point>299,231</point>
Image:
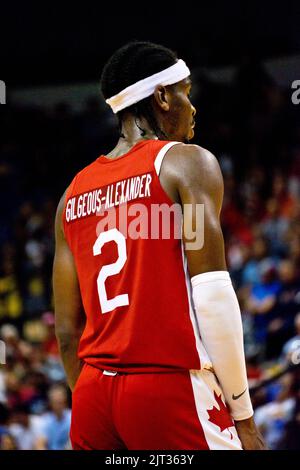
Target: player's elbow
<point>64,339</point>
<point>66,336</point>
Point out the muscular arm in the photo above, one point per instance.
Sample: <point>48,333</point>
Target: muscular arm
<point>201,166</point>
<point>191,176</point>
<point>69,315</point>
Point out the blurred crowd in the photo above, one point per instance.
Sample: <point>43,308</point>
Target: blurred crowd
<point>253,128</point>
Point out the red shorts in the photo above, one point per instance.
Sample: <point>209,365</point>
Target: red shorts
<point>150,411</point>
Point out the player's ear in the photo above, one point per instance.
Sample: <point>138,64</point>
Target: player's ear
<point>161,97</point>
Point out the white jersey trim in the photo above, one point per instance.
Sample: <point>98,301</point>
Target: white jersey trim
<point>160,156</point>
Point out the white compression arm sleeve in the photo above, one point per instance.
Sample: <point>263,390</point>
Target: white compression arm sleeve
<point>220,324</point>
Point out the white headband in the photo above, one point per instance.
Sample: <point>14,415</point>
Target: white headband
<point>144,88</point>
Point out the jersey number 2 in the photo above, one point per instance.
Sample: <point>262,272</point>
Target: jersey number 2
<point>107,305</point>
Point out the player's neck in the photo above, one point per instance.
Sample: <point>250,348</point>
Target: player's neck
<point>133,131</point>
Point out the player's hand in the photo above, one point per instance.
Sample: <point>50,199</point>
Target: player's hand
<point>249,435</point>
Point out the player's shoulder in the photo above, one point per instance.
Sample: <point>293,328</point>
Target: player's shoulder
<point>191,155</point>
<point>192,161</point>
<point>69,191</point>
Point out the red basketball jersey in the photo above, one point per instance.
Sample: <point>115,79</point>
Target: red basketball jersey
<point>132,274</point>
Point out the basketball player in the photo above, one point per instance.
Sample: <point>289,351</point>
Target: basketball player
<point>153,351</point>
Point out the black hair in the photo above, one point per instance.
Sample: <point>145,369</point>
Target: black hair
<point>129,64</point>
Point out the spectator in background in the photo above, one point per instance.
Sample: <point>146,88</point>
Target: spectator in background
<point>275,227</point>
<point>290,439</point>
<point>52,366</point>
<point>11,337</point>
<point>252,269</point>
<point>7,441</point>
<point>55,425</point>
<point>50,345</point>
<point>261,302</point>
<point>11,303</point>
<point>286,202</point>
<point>272,417</point>
<point>25,428</point>
<point>291,349</point>
<point>294,249</point>
<point>287,305</point>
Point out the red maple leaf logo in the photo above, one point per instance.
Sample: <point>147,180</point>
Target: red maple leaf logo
<point>220,417</point>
